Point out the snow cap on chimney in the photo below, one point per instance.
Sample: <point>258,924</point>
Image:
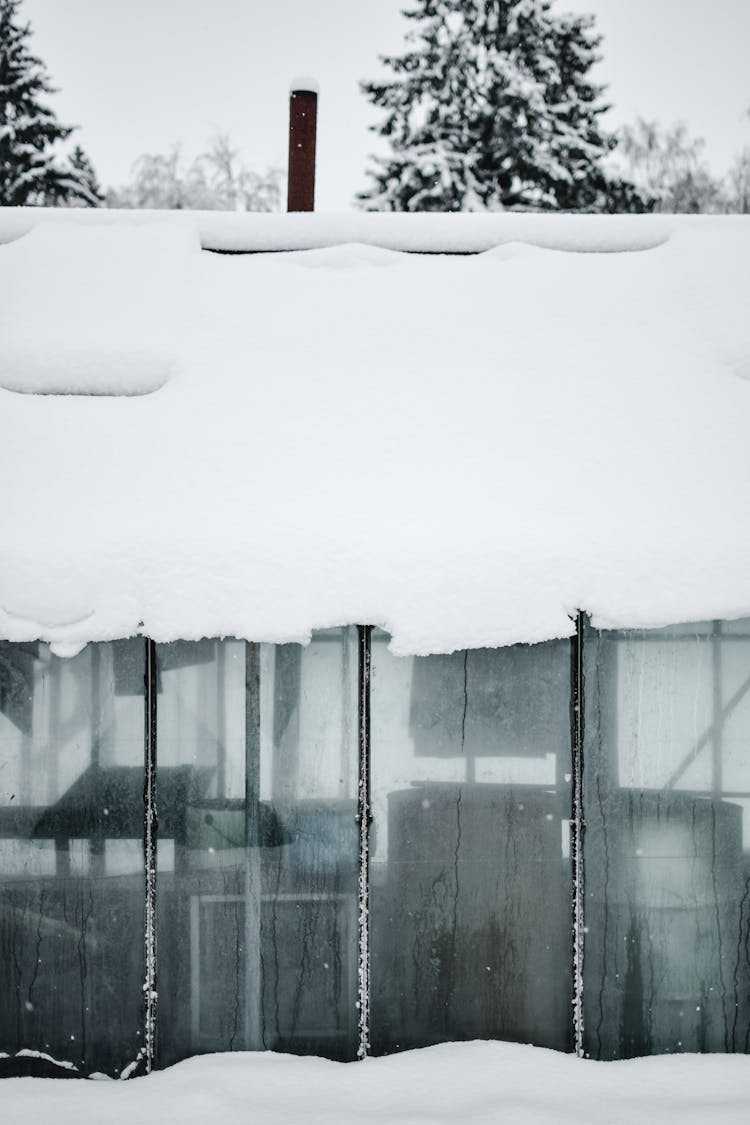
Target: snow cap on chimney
<point>304,82</point>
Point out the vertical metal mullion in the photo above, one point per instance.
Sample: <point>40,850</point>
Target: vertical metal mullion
<point>253,873</point>
<point>578,826</point>
<point>364,818</point>
<point>149,846</point>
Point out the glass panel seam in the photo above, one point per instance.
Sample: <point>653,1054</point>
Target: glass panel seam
<point>364,818</point>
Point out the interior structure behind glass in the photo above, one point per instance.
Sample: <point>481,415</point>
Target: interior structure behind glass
<point>258,752</point>
<point>72,887</point>
<point>667,806</point>
<point>257,854</point>
<point>471,873</point>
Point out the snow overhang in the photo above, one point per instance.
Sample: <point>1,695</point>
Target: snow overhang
<point>465,445</point>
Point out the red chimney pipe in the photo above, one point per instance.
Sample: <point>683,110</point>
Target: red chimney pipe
<point>303,118</point>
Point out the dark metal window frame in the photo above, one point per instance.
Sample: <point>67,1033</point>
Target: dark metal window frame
<point>577,825</point>
<point>364,818</point>
<point>364,821</point>
<point>150,832</point>
<point>147,1056</point>
<point>146,1059</point>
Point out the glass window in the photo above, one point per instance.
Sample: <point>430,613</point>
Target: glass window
<point>257,854</point>
<point>470,867</point>
<point>667,844</point>
<point>71,855</point>
<point>470,870</point>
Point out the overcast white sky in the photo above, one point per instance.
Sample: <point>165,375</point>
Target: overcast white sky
<point>140,75</point>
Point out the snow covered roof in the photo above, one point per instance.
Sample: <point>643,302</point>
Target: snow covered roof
<point>426,233</point>
<point>465,448</point>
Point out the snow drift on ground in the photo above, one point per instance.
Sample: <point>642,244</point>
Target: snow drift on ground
<point>476,1083</point>
<point>462,449</point>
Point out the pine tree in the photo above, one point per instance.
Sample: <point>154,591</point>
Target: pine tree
<point>30,173</point>
<point>85,173</point>
<point>492,107</point>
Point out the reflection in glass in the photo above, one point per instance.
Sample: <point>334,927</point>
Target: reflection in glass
<point>257,860</point>
<point>667,844</point>
<point>71,855</point>
<point>471,881</point>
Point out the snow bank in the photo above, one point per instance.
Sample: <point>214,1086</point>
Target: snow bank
<point>85,311</point>
<point>464,450</point>
<point>468,1082</point>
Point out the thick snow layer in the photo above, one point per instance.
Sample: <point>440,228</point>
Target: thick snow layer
<point>465,449</point>
<point>435,233</point>
<point>474,1083</point>
<point>92,311</point>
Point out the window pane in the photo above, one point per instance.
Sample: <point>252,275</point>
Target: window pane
<point>71,854</point>
<point>257,874</point>
<point>470,867</point>
<point>667,844</point>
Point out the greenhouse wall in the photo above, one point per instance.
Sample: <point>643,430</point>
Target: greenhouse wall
<point>331,850</point>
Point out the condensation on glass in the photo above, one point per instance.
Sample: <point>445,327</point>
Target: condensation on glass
<point>471,886</point>
<point>667,844</point>
<point>257,854</point>
<point>71,857</point>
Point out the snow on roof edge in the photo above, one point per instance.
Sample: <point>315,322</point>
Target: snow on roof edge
<point>645,356</point>
<point>419,232</point>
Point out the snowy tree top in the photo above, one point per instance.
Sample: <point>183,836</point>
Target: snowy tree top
<point>31,171</point>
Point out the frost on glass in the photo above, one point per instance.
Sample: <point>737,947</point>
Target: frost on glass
<point>667,844</point>
<point>257,855</point>
<point>71,857</point>
<point>471,929</point>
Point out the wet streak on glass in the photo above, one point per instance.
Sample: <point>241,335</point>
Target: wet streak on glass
<point>71,857</point>
<point>258,847</point>
<point>471,886</point>
<point>667,798</point>
<point>308,782</point>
